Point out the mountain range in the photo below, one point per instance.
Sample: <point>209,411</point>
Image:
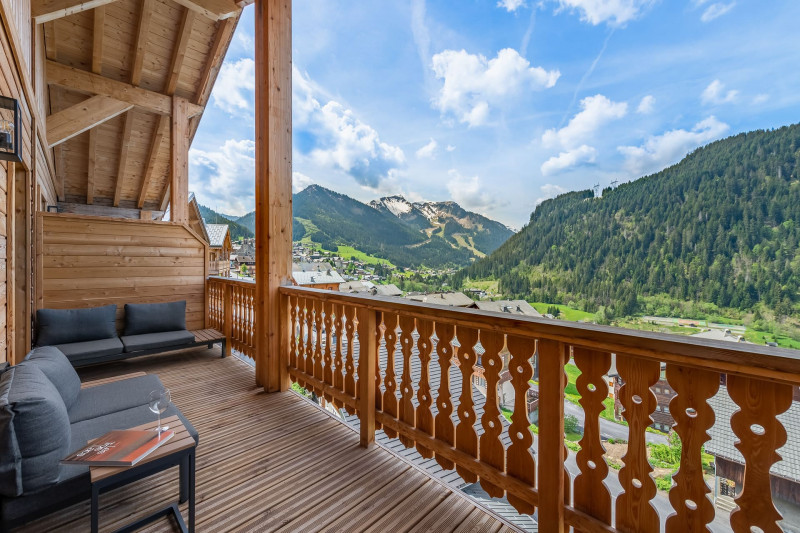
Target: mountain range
<point>434,234</point>
<point>722,227</point>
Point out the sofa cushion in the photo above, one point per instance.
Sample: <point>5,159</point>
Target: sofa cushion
<point>34,430</point>
<point>64,326</point>
<point>149,341</point>
<point>58,370</point>
<point>154,318</point>
<point>80,351</point>
<point>115,396</point>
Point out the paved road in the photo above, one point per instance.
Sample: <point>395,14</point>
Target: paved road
<point>610,429</point>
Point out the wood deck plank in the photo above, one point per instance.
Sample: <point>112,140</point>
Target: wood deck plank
<point>271,462</point>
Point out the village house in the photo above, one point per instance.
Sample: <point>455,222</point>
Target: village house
<point>328,280</point>
<point>219,249</point>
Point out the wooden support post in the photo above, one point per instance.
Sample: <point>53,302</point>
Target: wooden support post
<point>273,54</point>
<point>179,169</point>
<point>367,355</point>
<point>552,453</point>
<point>227,321</point>
<point>11,173</point>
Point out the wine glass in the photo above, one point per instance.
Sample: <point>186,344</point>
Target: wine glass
<point>159,401</point>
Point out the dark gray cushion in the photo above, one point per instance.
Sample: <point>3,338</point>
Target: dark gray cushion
<point>85,430</point>
<point>154,318</point>
<point>79,351</point>
<point>115,396</point>
<point>34,430</point>
<point>150,341</point>
<point>64,326</point>
<point>58,370</point>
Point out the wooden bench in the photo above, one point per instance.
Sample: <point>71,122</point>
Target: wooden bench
<point>210,337</point>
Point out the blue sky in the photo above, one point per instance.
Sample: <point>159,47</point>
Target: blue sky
<point>499,105</point>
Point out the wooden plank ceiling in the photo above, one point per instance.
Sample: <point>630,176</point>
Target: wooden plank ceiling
<point>113,67</point>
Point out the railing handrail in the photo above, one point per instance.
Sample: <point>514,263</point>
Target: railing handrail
<point>780,365</point>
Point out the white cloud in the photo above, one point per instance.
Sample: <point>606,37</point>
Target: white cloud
<point>647,105</point>
<point>660,151</point>
<point>468,192</point>
<point>550,190</point>
<point>613,12</point>
<point>223,179</point>
<point>428,151</point>
<point>570,158</point>
<point>715,94</point>
<point>450,148</point>
<point>596,111</point>
<point>511,5</point>
<point>341,141</point>
<point>472,84</point>
<point>760,98</point>
<point>300,181</point>
<point>716,10</point>
<point>234,89</point>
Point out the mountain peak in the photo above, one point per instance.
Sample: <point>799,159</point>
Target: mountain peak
<point>396,205</point>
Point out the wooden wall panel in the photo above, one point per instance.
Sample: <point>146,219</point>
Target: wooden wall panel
<point>92,261</point>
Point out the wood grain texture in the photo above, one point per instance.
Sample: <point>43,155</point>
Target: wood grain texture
<point>491,447</point>
<point>552,454</point>
<point>424,416</point>
<point>693,418</point>
<point>367,358</point>
<point>519,459</point>
<point>49,10</point>
<point>65,288</point>
<point>390,406</point>
<point>406,406</point>
<point>760,434</point>
<point>179,162</point>
<point>445,431</point>
<point>82,117</point>
<point>466,436</point>
<point>634,512</point>
<point>590,493</point>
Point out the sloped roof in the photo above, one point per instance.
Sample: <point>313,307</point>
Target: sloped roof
<point>454,299</point>
<point>387,290</point>
<point>515,307</point>
<point>217,234</point>
<point>723,439</point>
<point>352,286</point>
<point>321,266</point>
<point>315,278</point>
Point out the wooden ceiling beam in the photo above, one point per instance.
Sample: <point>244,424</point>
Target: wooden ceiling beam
<point>213,9</point>
<point>214,61</point>
<point>179,54</point>
<point>81,117</point>
<point>92,167</point>
<point>98,37</point>
<point>89,83</point>
<point>162,127</point>
<point>123,156</point>
<point>141,41</point>
<point>46,10</point>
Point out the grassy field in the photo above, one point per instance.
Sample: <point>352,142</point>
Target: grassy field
<point>567,313</point>
<point>759,337</point>
<point>349,251</point>
<point>488,286</point>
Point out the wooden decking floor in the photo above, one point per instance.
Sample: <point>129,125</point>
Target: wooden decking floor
<point>273,462</point>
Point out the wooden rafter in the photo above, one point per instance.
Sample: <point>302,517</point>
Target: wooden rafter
<point>161,130</point>
<point>141,41</point>
<point>123,156</point>
<point>81,117</point>
<point>97,39</point>
<point>47,10</point>
<point>89,83</point>
<point>213,9</point>
<point>214,60</point>
<point>164,201</point>
<point>179,53</point>
<point>50,40</point>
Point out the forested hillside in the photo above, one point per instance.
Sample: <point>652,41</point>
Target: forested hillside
<point>722,226</point>
<point>212,217</point>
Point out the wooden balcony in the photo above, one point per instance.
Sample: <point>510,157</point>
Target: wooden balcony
<point>274,462</point>
<point>401,381</point>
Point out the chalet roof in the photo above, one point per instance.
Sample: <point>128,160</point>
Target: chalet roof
<point>723,439</point>
<point>127,70</point>
<point>321,266</point>
<point>454,299</point>
<point>314,278</point>
<point>196,219</point>
<point>389,289</point>
<point>516,307</point>
<point>352,286</point>
<point>217,234</point>
<point>720,335</point>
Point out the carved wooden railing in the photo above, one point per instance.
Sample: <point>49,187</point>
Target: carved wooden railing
<point>231,311</point>
<point>333,342</point>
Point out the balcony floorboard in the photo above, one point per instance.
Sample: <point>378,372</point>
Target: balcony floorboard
<point>273,462</point>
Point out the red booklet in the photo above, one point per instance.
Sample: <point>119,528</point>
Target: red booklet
<point>124,447</point>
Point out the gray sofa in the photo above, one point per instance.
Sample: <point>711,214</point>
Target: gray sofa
<point>44,415</point>
<point>89,336</point>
